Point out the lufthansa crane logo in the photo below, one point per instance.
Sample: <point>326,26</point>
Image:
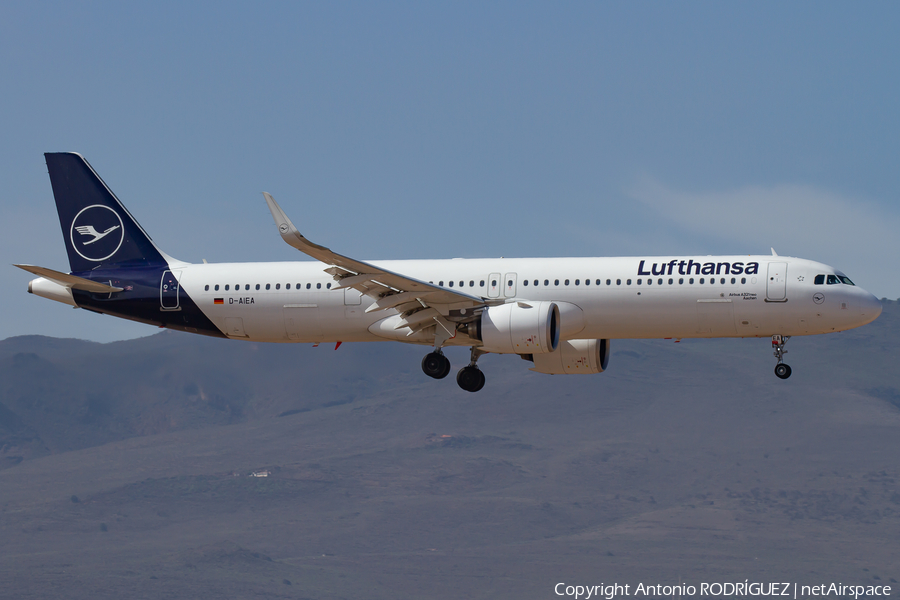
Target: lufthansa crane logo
<point>97,233</point>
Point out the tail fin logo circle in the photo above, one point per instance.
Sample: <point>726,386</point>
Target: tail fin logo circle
<point>97,233</point>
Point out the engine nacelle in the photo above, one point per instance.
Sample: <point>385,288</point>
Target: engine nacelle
<point>518,328</point>
<point>574,357</point>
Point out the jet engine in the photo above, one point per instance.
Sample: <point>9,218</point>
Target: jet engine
<point>517,328</point>
<point>574,357</point>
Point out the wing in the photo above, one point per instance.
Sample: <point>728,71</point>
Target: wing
<point>389,289</point>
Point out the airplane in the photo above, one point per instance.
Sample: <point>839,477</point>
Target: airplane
<point>557,313</point>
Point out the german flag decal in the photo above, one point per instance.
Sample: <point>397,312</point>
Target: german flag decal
<point>218,301</point>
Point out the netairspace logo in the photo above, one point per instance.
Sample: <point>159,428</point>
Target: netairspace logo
<point>740,589</point>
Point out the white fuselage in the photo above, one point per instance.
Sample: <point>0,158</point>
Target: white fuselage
<point>600,298</point>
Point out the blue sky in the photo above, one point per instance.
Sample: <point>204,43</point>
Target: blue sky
<point>429,130</point>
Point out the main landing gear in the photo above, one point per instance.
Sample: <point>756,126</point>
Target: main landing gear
<point>782,371</point>
<point>469,378</point>
<point>436,365</point>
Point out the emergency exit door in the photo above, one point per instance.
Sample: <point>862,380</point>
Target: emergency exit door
<point>494,285</point>
<point>509,285</point>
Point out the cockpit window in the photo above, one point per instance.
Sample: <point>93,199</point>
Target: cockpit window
<point>820,279</point>
<point>832,279</point>
<point>846,280</point>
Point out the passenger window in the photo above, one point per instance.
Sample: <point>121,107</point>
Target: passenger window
<point>299,285</point>
<point>681,281</point>
<point>702,280</point>
<point>206,288</point>
<point>743,280</point>
<point>471,283</point>
<point>509,283</point>
<point>482,283</point>
<point>618,282</point>
<point>535,283</point>
<point>586,282</point>
<point>832,279</point>
<point>441,283</point>
<point>733,280</point>
<point>525,283</point>
<point>691,280</point>
<point>577,281</point>
<point>451,283</point>
<point>567,282</point>
<point>257,286</point>
<point>328,286</point>
<point>268,286</point>
<point>287,286</point>
<point>628,282</point>
<point>820,280</point>
<point>493,283</point>
<point>608,282</point>
<point>670,281</point>
<point>660,281</point>
<point>318,286</point>
<point>546,282</point>
<point>226,287</point>
<point>722,280</point>
<point>277,286</point>
<point>308,285</point>
<point>247,287</point>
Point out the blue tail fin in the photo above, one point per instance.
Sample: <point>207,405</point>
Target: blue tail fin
<point>98,230</point>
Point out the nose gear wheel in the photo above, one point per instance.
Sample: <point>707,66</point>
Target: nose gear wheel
<point>782,371</point>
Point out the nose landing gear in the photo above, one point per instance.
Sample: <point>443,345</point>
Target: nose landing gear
<point>782,371</point>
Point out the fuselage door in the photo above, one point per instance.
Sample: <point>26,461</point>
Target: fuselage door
<point>509,287</point>
<point>777,281</point>
<point>494,285</point>
<point>169,290</point>
<point>301,321</point>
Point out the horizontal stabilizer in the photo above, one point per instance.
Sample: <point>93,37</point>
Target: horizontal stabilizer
<point>70,281</point>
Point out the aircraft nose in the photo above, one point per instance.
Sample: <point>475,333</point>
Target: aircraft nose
<point>870,308</point>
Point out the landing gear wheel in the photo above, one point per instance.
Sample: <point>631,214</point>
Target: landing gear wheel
<point>436,365</point>
<point>446,370</point>
<point>470,378</point>
<point>782,371</point>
